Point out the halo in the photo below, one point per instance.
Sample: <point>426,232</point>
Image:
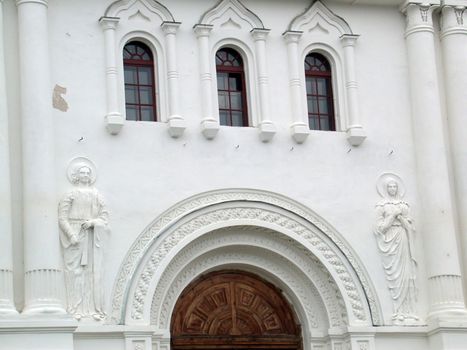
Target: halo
<point>382,181</point>
<point>77,163</point>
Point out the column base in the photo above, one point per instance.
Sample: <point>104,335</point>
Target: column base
<point>267,130</point>
<point>114,123</point>
<point>356,136</point>
<point>7,306</point>
<point>44,292</point>
<point>300,132</point>
<point>177,126</point>
<point>210,128</point>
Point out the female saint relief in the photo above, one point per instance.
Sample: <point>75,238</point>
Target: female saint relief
<point>394,235</point>
<point>83,221</point>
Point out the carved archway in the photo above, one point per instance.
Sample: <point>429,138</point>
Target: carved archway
<point>233,310</point>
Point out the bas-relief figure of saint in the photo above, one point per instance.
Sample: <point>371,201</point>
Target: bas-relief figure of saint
<point>83,220</point>
<point>394,235</point>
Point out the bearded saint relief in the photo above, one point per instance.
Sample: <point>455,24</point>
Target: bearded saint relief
<point>394,235</point>
<point>83,220</point>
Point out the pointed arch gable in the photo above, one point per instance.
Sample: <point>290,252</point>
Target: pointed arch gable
<point>224,208</point>
<point>319,15</point>
<point>118,7</point>
<point>224,6</point>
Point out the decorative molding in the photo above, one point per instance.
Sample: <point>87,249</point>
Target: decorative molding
<point>116,8</point>
<point>320,15</point>
<point>236,7</point>
<point>323,239</point>
<point>298,269</point>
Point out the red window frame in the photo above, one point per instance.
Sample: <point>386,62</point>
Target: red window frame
<point>318,69</point>
<point>232,66</point>
<point>140,58</point>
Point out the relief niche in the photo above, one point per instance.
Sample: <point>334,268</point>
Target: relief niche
<point>83,221</point>
<point>394,233</point>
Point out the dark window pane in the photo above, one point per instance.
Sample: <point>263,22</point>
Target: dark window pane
<point>235,83</point>
<point>223,100</point>
<point>145,75</point>
<point>130,75</point>
<point>145,95</point>
<point>222,79</point>
<point>323,105</point>
<point>236,100</point>
<point>147,113</point>
<point>312,105</point>
<point>309,85</point>
<point>224,118</point>
<point>313,123</point>
<point>321,86</point>
<point>131,94</point>
<point>131,113</point>
<point>324,123</point>
<point>237,119</point>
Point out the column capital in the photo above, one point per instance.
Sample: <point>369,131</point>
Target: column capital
<point>170,27</point>
<point>109,22</point>
<point>39,2</point>
<point>419,15</point>
<point>349,39</point>
<point>292,36</point>
<point>202,29</point>
<point>453,19</point>
<point>259,33</point>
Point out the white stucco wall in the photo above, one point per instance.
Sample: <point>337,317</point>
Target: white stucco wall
<point>142,171</point>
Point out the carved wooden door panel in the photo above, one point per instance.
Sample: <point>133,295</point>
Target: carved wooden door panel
<point>233,310</point>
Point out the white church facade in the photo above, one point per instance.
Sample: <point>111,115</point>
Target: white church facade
<point>233,174</point>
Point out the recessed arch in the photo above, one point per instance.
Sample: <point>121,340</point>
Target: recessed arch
<point>196,216</point>
<point>233,307</point>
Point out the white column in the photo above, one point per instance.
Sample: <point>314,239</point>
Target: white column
<point>355,133</point>
<point>177,124</point>
<point>44,287</point>
<point>454,49</point>
<point>437,225</point>
<point>113,117</point>
<point>209,124</point>
<point>300,128</point>
<point>7,306</point>
<point>267,129</point>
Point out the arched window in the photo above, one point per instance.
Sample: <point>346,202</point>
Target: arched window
<point>231,88</point>
<point>319,92</point>
<point>140,91</point>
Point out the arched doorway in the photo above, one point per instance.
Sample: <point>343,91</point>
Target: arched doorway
<point>233,310</point>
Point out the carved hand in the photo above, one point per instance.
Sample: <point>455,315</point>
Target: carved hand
<point>87,224</point>
<point>73,239</point>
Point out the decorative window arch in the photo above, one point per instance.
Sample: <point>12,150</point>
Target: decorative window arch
<point>320,101</point>
<point>231,19</point>
<point>319,27</point>
<point>125,21</point>
<point>140,82</point>
<point>231,90</point>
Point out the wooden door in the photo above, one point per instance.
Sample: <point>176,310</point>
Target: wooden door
<point>233,310</point>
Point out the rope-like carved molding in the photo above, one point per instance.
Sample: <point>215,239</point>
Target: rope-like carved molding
<point>314,286</point>
<point>256,215</point>
<point>193,204</point>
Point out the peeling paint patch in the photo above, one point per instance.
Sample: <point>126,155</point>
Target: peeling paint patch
<point>58,101</point>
